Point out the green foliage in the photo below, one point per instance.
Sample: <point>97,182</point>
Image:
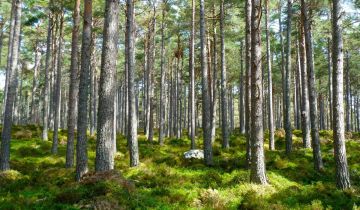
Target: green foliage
<point>165,180</point>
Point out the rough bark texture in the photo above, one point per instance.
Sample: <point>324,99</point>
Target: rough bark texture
<point>132,125</point>
<point>11,89</point>
<point>73,87</point>
<point>206,118</point>
<point>314,120</point>
<point>224,102</point>
<point>82,121</point>
<point>287,77</point>
<point>268,60</point>
<point>257,174</point>
<point>248,80</point>
<point>342,172</point>
<point>104,146</point>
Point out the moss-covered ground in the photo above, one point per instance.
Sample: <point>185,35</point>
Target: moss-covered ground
<point>164,180</point>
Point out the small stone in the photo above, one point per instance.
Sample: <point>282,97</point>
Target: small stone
<point>194,154</point>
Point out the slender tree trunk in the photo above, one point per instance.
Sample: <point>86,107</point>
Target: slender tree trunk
<point>214,79</point>
<point>206,118</point>
<point>329,57</point>
<point>35,83</point>
<point>162,83</point>
<point>248,4</point>
<point>348,93</point>
<point>46,81</point>
<point>268,59</point>
<point>314,120</point>
<point>287,77</point>
<point>342,171</point>
<point>73,86</point>
<point>11,89</point>
<point>132,132</point>
<point>82,121</point>
<point>257,174</point>
<point>104,146</point>
<point>57,92</point>
<point>305,109</point>
<point>192,77</point>
<point>241,89</point>
<point>224,110</point>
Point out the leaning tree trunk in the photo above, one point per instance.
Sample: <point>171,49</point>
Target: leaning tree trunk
<point>257,174</point>
<point>224,102</point>
<point>247,79</point>
<point>314,120</point>
<point>206,118</point>
<point>287,77</point>
<point>73,87</point>
<point>268,60</point>
<point>82,121</point>
<point>342,172</point>
<point>104,146</point>
<point>57,92</point>
<point>129,53</point>
<point>11,90</point>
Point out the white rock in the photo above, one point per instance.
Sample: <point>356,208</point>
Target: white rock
<point>195,153</point>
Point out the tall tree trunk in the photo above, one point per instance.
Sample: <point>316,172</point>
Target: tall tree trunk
<point>214,79</point>
<point>268,59</point>
<point>73,86</point>
<point>57,92</point>
<point>162,83</point>
<point>192,77</point>
<point>287,77</point>
<point>224,110</point>
<point>342,171</point>
<point>329,57</point>
<point>82,121</point>
<point>206,118</point>
<point>104,146</point>
<point>305,109</point>
<point>248,11</point>
<point>11,89</point>
<point>348,93</point>
<point>314,120</point>
<point>46,81</point>
<point>241,89</point>
<point>132,125</point>
<point>257,174</point>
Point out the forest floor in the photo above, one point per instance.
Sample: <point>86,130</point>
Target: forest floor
<point>165,180</point>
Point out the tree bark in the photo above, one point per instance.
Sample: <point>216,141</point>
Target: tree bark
<point>248,4</point>
<point>162,83</point>
<point>342,172</point>
<point>82,121</point>
<point>104,146</point>
<point>132,125</point>
<point>57,91</point>
<point>11,89</point>
<point>192,77</point>
<point>206,118</point>
<point>73,89</point>
<point>314,120</point>
<point>287,77</point>
<point>257,174</point>
<point>268,60</point>
<point>224,102</point>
